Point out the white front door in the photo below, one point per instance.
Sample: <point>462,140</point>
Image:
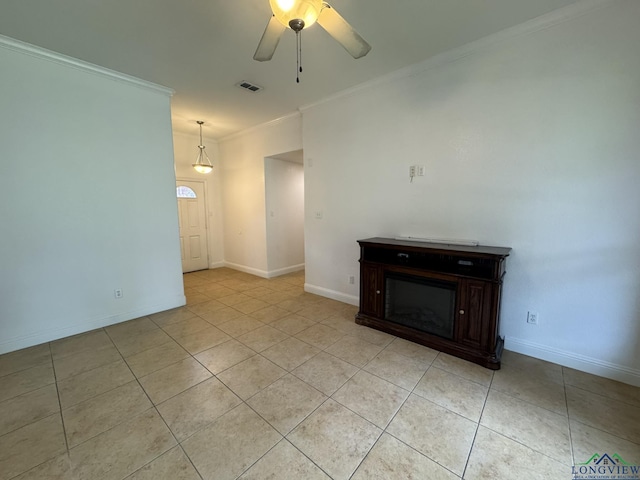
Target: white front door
<point>193,227</point>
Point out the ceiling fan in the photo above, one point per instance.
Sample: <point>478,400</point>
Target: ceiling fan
<point>300,14</point>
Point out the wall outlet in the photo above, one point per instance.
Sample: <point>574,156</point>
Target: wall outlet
<point>420,170</point>
<point>118,293</point>
<point>319,215</point>
<point>412,171</point>
<point>532,318</point>
<point>352,280</point>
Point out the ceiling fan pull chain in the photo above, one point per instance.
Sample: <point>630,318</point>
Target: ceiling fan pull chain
<point>298,56</point>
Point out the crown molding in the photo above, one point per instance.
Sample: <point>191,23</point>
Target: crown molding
<point>12,44</point>
<point>260,126</point>
<point>537,24</point>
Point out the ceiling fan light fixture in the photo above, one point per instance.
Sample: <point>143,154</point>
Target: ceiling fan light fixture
<point>203,163</point>
<point>287,10</point>
<point>300,14</point>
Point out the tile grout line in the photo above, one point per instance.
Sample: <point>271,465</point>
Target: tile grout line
<point>412,392</point>
<point>529,447</point>
<point>306,456</point>
<point>226,386</point>
<point>606,432</point>
<point>64,432</point>
<point>55,379</point>
<point>382,430</point>
<point>602,396</point>
<point>535,405</point>
<point>135,378</point>
<point>566,402</point>
<point>154,407</point>
<point>284,437</point>
<point>478,423</point>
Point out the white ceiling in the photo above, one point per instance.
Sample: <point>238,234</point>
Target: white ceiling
<point>202,48</point>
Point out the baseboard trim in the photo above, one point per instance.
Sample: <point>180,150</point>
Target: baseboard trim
<point>583,363</point>
<point>242,268</point>
<point>52,334</point>
<point>264,273</point>
<point>284,271</point>
<point>332,294</point>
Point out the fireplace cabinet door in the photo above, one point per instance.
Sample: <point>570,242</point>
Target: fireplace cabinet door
<point>474,313</point>
<point>371,294</point>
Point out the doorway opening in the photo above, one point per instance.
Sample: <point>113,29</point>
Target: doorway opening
<point>284,205</point>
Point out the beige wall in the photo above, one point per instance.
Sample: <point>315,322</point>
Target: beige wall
<point>87,198</point>
<point>530,142</point>
<point>243,190</point>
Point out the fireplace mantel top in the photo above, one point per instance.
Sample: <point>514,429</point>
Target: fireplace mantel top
<point>435,247</point>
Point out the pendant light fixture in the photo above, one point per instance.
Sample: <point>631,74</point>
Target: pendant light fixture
<point>203,163</point>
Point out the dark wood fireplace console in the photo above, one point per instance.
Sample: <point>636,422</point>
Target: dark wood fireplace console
<point>443,296</point>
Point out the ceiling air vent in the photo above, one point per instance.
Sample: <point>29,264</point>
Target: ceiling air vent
<point>252,87</point>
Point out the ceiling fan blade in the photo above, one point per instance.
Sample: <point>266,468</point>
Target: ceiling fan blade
<point>342,32</point>
<point>269,41</point>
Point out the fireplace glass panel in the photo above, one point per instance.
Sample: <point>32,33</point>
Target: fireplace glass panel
<point>423,304</point>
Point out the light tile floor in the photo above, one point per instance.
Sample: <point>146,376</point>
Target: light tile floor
<point>256,379</point>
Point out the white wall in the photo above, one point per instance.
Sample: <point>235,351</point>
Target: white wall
<point>243,190</point>
<point>185,149</point>
<point>530,142</point>
<point>284,185</point>
<point>87,198</point>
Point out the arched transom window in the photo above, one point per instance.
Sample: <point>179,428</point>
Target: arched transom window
<point>185,192</point>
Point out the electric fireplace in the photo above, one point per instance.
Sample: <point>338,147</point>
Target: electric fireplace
<point>420,303</point>
<point>443,296</point>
